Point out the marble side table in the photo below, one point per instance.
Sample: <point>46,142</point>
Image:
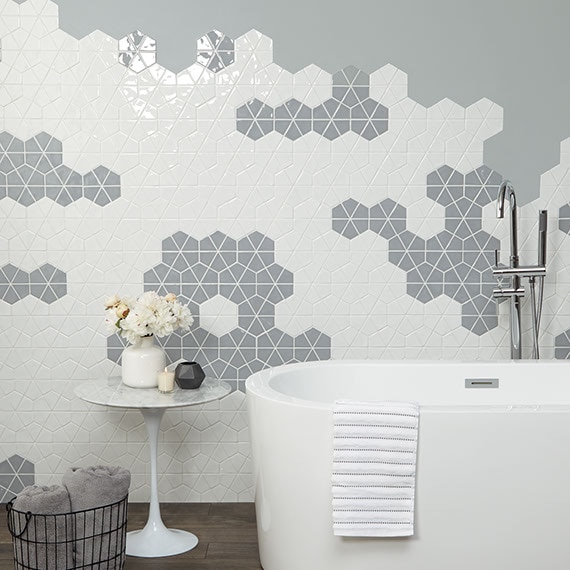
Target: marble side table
<point>155,539</point>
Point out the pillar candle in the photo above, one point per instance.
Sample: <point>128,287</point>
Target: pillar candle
<point>165,381</point>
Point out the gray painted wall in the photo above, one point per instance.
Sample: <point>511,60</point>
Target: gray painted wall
<point>513,52</point>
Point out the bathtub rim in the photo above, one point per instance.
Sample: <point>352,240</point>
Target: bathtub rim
<point>258,384</point>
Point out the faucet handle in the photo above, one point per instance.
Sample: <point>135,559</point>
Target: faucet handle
<point>497,293</point>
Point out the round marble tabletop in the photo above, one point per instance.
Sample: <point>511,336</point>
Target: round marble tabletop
<point>112,392</point>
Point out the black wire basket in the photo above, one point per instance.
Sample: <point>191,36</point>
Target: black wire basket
<point>93,538</point>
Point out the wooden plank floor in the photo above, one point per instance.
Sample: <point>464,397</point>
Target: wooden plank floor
<point>227,534</point>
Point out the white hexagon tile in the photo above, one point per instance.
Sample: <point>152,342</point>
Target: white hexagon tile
<point>306,215</point>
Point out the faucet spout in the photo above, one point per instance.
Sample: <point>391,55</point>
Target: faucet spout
<point>507,192</point>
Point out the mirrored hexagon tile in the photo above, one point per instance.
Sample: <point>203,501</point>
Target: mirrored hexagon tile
<point>137,51</point>
<point>215,51</point>
<point>240,279</point>
<point>457,261</point>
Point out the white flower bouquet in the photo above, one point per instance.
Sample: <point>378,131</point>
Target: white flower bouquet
<point>148,315</point>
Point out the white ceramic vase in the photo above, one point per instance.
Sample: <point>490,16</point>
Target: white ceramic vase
<point>141,364</point>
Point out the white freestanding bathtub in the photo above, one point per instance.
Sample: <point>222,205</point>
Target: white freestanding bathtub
<point>493,465</point>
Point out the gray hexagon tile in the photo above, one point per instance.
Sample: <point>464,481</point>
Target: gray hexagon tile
<point>15,474</point>
<point>350,218</point>
<point>455,262</point>
<point>43,153</point>
<point>351,86</point>
<point>293,119</point>
<point>47,283</point>
<point>242,272</point>
<point>64,185</point>
<point>11,152</point>
<point>255,119</point>
<point>137,51</point>
<point>101,186</point>
<point>369,119</point>
<point>215,51</point>
<point>349,109</point>
<point>33,169</point>
<point>331,119</point>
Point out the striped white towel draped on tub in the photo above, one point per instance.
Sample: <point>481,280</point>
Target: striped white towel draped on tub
<point>374,468</point>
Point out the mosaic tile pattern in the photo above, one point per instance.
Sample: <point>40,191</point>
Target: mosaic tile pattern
<point>455,262</point>
<point>243,272</point>
<point>15,474</point>
<point>206,447</point>
<point>137,51</point>
<point>349,109</point>
<point>215,51</point>
<point>255,119</point>
<point>184,166</point>
<point>47,283</point>
<point>33,169</point>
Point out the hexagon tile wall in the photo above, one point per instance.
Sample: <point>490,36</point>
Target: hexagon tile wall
<point>34,169</point>
<point>47,283</point>
<point>350,109</point>
<point>244,273</point>
<point>457,261</point>
<point>137,51</point>
<point>305,215</point>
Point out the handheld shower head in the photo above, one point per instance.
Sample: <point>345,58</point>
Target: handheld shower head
<point>542,227</point>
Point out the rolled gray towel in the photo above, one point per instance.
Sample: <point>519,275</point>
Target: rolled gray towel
<point>89,488</point>
<point>46,542</point>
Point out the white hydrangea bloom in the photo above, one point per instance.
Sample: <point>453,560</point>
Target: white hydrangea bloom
<point>148,315</point>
